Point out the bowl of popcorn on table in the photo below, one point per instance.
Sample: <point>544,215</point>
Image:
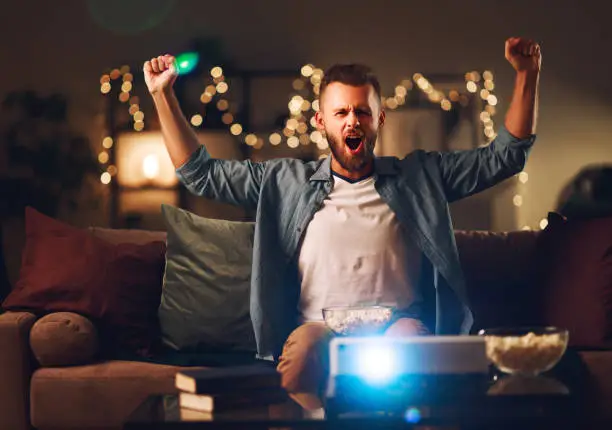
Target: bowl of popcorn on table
<point>360,320</point>
<point>525,351</point>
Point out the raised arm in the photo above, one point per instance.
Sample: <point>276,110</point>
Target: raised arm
<point>231,181</point>
<point>525,57</point>
<point>467,172</point>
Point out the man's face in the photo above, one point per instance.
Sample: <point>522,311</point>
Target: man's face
<point>350,117</point>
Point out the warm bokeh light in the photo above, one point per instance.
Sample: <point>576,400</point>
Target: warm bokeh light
<point>216,72</point>
<point>485,116</point>
<point>197,120</point>
<point>293,142</point>
<point>223,105</point>
<point>222,87</point>
<point>302,128</point>
<point>292,123</point>
<point>103,157</point>
<point>275,139</point>
<point>307,70</point>
<point>298,85</point>
<point>115,73</point>
<point>227,118</point>
<point>323,144</point>
<point>236,129</point>
<point>107,142</point>
<point>250,139</point>
<point>523,177</point>
<point>517,200</point>
<point>105,178</point>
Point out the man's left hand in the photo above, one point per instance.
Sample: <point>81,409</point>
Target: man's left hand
<point>523,54</point>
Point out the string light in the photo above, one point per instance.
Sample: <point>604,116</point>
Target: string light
<point>300,127</point>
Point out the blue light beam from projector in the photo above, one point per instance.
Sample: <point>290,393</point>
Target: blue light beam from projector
<point>376,363</point>
<point>186,62</point>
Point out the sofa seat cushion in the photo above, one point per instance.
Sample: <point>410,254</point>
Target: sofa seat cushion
<point>95,395</point>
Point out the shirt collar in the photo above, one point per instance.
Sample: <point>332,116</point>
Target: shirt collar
<point>382,166</point>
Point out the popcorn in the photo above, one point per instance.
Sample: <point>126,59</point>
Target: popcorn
<point>364,321</point>
<point>529,354</point>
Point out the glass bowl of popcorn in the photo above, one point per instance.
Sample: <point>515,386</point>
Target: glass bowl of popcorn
<point>357,320</point>
<point>525,351</point>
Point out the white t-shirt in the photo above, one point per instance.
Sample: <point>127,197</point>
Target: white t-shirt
<point>354,252</point>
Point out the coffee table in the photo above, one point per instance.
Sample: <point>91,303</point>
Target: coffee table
<point>538,403</point>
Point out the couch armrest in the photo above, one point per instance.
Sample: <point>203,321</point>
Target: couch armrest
<point>15,369</point>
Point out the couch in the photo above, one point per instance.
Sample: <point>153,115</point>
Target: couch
<point>500,271</point>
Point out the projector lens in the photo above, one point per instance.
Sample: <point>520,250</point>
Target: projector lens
<point>376,363</point>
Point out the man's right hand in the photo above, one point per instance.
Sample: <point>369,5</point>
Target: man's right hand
<point>160,73</point>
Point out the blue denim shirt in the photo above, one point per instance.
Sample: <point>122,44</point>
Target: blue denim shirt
<point>286,193</point>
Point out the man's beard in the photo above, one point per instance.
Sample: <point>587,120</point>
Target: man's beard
<point>350,162</point>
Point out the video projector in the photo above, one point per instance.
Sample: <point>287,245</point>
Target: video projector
<point>390,374</point>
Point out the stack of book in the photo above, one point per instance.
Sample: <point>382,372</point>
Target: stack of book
<point>229,388</point>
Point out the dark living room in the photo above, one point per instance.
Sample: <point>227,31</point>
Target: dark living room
<point>169,170</point>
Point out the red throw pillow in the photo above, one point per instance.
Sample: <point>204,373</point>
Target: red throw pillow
<point>117,286</point>
<point>575,274</point>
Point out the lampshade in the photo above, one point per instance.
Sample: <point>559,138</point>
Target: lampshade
<point>142,160</point>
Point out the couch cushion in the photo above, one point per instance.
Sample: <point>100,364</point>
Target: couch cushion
<point>63,339</point>
<point>575,271</point>
<point>68,269</point>
<point>498,269</point>
<point>206,290</point>
<point>95,395</point>
<point>121,235</point>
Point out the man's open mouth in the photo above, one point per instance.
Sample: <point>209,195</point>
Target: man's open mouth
<point>354,143</point>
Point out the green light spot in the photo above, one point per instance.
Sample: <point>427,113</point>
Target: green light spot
<point>186,62</point>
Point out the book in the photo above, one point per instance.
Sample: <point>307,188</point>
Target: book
<point>221,380</point>
<point>232,401</point>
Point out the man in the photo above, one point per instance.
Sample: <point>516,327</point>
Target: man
<point>351,228</point>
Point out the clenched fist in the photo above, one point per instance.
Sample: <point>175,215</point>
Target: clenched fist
<point>523,54</point>
<point>160,73</point>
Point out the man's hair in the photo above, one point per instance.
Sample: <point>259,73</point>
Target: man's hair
<point>350,74</point>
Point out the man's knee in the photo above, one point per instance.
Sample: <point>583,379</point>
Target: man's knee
<point>405,327</point>
<point>304,360</point>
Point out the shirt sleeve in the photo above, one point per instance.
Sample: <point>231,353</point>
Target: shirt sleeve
<point>229,181</point>
<point>470,171</point>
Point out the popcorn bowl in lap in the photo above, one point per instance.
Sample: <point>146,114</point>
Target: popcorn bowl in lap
<point>357,320</point>
<point>525,350</point>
